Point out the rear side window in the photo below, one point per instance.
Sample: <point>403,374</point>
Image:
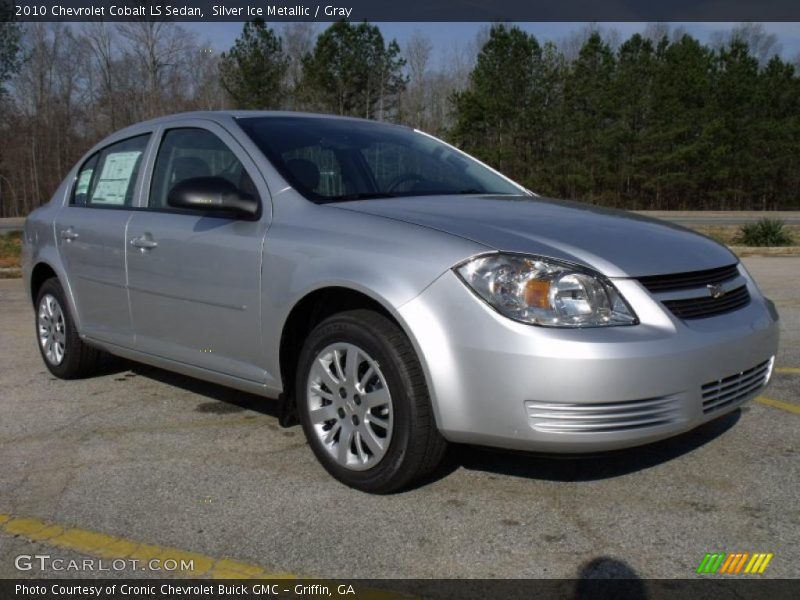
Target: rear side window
<point>108,177</point>
<point>188,153</point>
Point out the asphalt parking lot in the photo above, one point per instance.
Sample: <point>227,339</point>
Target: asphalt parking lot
<point>141,462</point>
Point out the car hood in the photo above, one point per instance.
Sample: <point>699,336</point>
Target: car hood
<point>616,243</point>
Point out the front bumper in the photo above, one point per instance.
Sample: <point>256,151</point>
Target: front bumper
<point>496,382</point>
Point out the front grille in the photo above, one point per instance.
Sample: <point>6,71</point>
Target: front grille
<point>682,281</point>
<point>707,306</point>
<point>555,417</point>
<point>729,390</point>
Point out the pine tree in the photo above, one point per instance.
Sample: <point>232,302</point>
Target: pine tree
<point>733,125</point>
<point>676,146</point>
<point>632,95</point>
<point>253,70</point>
<point>351,71</point>
<point>589,107</point>
<point>776,138</point>
<point>500,116</point>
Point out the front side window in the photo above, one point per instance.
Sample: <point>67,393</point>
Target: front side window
<point>332,160</point>
<point>189,153</point>
<point>108,177</point>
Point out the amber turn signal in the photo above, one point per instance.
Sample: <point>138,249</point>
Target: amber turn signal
<point>537,293</point>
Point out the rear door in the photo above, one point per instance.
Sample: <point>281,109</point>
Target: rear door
<point>90,233</point>
<point>194,277</point>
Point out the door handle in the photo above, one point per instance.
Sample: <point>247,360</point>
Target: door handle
<point>145,242</point>
<point>68,235</point>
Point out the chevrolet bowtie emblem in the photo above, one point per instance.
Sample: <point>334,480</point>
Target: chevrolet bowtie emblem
<point>716,290</point>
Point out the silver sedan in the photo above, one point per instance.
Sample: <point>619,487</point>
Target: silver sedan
<point>391,291</point>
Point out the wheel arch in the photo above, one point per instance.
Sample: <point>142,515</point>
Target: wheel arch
<point>320,304</point>
<point>42,271</point>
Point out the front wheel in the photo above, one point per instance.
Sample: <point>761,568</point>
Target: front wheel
<point>364,404</point>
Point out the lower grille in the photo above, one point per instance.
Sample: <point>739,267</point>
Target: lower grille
<point>729,390</point>
<point>555,417</point>
<point>707,306</point>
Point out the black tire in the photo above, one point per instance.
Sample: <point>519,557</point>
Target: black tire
<point>416,446</point>
<point>79,359</point>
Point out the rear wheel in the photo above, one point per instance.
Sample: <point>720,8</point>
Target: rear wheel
<point>63,351</point>
<point>364,404</point>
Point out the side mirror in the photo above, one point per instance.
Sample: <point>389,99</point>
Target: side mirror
<point>212,194</point>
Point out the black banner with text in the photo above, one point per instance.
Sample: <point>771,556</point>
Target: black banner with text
<point>742,588</point>
<point>410,10</point>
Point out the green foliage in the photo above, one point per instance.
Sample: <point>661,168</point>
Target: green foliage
<point>764,232</point>
<point>632,91</point>
<point>503,110</point>
<point>677,140</point>
<point>254,70</point>
<point>589,105</point>
<point>654,124</point>
<point>10,249</point>
<point>351,71</point>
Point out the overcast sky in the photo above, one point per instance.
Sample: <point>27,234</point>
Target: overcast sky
<point>446,36</point>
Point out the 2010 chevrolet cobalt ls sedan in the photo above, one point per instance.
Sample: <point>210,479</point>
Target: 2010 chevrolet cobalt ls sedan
<point>395,291</point>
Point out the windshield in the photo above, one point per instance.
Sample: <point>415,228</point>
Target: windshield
<point>334,160</point>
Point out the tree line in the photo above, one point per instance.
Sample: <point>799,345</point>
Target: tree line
<point>653,124</point>
<point>656,121</point>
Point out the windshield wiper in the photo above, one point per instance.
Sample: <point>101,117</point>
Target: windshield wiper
<point>473,191</point>
<point>359,196</point>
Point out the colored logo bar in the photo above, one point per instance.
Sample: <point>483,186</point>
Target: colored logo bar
<point>734,563</point>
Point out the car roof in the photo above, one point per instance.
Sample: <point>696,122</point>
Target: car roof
<point>217,116</point>
<point>220,115</point>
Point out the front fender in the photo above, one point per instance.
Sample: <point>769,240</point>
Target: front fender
<point>314,247</point>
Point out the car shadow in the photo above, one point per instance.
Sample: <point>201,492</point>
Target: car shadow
<point>584,468</point>
<point>224,400</point>
<point>109,364</point>
<point>221,399</point>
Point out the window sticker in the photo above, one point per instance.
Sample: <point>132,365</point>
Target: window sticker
<point>112,187</point>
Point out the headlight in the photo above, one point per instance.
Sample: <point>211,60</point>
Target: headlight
<point>546,292</point>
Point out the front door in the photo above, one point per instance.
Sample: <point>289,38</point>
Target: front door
<point>194,278</point>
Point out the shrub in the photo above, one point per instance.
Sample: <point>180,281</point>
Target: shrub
<point>10,249</point>
<point>764,232</point>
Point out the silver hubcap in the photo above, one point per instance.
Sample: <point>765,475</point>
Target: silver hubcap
<point>350,406</point>
<point>52,334</point>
